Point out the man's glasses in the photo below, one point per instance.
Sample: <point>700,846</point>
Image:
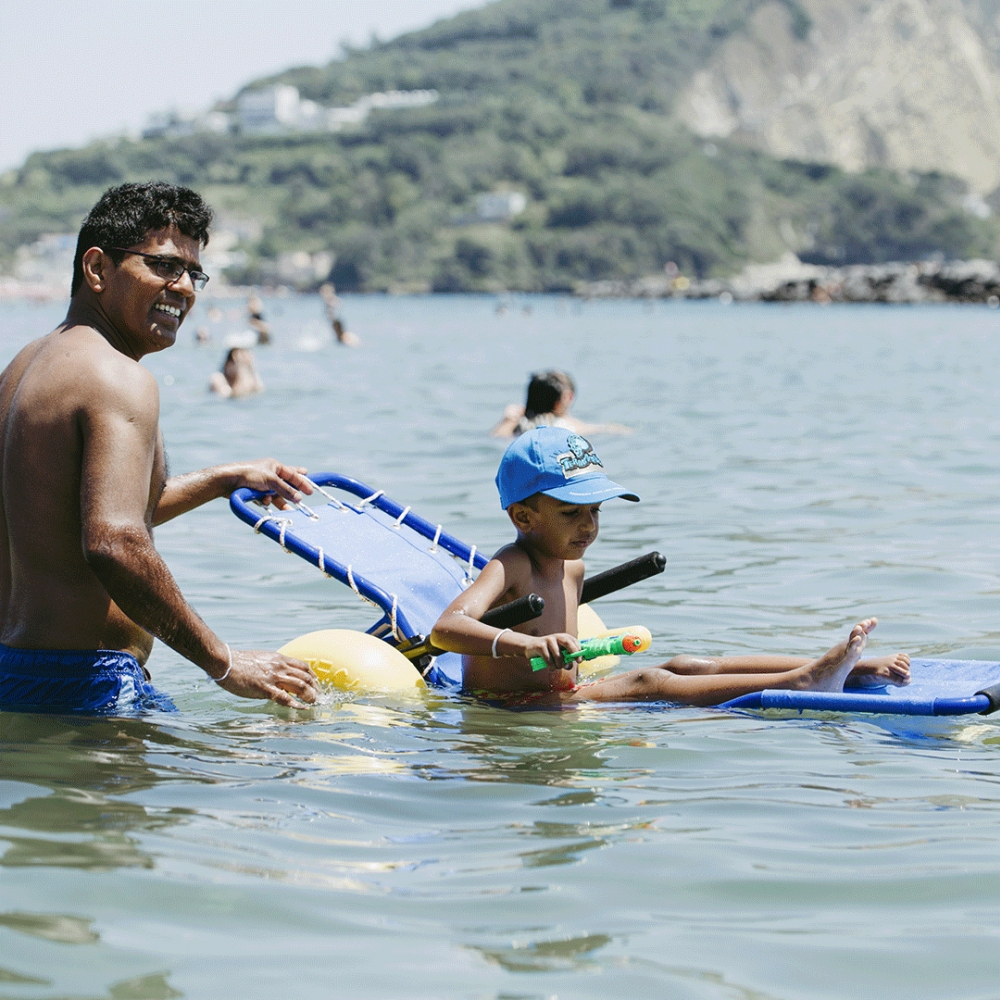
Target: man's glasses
<point>170,268</point>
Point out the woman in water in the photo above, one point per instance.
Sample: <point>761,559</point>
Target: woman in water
<point>239,375</point>
<point>550,395</point>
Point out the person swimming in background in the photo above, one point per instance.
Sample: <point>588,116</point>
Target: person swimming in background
<point>332,302</point>
<point>239,375</point>
<point>550,395</point>
<point>258,324</point>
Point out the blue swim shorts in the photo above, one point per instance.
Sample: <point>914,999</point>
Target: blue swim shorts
<point>96,681</point>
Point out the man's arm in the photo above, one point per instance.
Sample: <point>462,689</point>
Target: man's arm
<point>459,629</point>
<point>119,431</point>
<point>192,489</point>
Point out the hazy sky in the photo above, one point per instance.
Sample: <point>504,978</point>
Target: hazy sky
<point>71,70</point>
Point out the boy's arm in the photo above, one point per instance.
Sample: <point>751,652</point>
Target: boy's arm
<point>459,629</point>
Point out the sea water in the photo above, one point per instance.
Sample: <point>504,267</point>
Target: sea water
<point>800,467</point>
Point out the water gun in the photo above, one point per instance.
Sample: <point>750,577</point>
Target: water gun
<point>623,642</point>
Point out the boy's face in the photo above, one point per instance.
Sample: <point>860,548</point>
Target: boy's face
<point>558,529</point>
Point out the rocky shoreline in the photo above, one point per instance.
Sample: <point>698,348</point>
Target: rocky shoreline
<point>789,280</point>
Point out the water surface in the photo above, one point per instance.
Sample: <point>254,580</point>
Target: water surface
<point>800,467</point>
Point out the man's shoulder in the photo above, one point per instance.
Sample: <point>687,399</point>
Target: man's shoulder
<point>79,358</point>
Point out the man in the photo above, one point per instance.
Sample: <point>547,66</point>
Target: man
<point>83,480</point>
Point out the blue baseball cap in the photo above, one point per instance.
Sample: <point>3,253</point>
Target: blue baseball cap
<point>558,463</point>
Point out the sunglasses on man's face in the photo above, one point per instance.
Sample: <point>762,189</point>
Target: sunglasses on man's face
<point>169,268</point>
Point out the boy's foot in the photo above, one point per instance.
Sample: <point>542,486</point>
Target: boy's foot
<point>875,671</point>
<point>829,672</point>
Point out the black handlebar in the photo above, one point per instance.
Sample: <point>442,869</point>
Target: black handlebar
<point>524,609</point>
<point>622,576</point>
<point>993,694</point>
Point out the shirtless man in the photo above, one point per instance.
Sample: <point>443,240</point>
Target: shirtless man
<point>83,479</point>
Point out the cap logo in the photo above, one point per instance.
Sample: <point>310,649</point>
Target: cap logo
<point>580,458</point>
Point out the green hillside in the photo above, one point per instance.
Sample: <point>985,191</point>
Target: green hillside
<point>567,101</point>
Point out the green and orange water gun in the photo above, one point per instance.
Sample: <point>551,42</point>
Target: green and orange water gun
<point>622,642</point>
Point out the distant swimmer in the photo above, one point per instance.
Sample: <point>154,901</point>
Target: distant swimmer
<point>550,396</point>
<point>255,310</point>
<point>239,375</point>
<point>345,337</point>
<point>83,480</point>
<point>332,303</point>
<point>203,336</point>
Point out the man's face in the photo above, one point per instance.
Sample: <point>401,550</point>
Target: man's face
<point>143,306</point>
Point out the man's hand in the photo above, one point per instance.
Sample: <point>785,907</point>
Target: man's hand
<point>284,483</point>
<point>549,647</point>
<point>283,679</point>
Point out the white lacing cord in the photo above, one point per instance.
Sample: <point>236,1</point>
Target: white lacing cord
<point>322,564</point>
<point>329,496</point>
<point>308,511</point>
<point>354,587</point>
<point>398,523</point>
<point>392,613</point>
<point>284,523</point>
<point>437,535</point>
<point>392,619</point>
<point>467,582</point>
<point>368,500</point>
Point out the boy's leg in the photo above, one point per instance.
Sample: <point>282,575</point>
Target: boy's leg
<point>827,673</point>
<point>894,668</point>
<point>765,663</point>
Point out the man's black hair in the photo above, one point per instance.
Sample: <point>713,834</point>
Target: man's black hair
<point>125,214</point>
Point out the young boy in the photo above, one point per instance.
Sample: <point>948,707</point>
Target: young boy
<point>552,485</point>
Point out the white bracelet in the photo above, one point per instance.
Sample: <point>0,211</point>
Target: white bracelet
<point>496,639</point>
<point>229,653</point>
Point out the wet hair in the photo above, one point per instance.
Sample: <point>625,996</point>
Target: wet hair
<point>545,390</point>
<point>125,214</point>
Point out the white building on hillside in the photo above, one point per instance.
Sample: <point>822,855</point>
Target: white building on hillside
<point>280,109</point>
<point>274,109</point>
<point>498,206</point>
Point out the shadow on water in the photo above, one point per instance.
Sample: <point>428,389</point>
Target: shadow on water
<point>547,956</point>
<point>73,775</point>
<point>64,782</point>
<point>152,987</point>
<point>527,747</point>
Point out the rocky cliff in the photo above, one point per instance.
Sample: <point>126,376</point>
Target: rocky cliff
<point>904,84</point>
